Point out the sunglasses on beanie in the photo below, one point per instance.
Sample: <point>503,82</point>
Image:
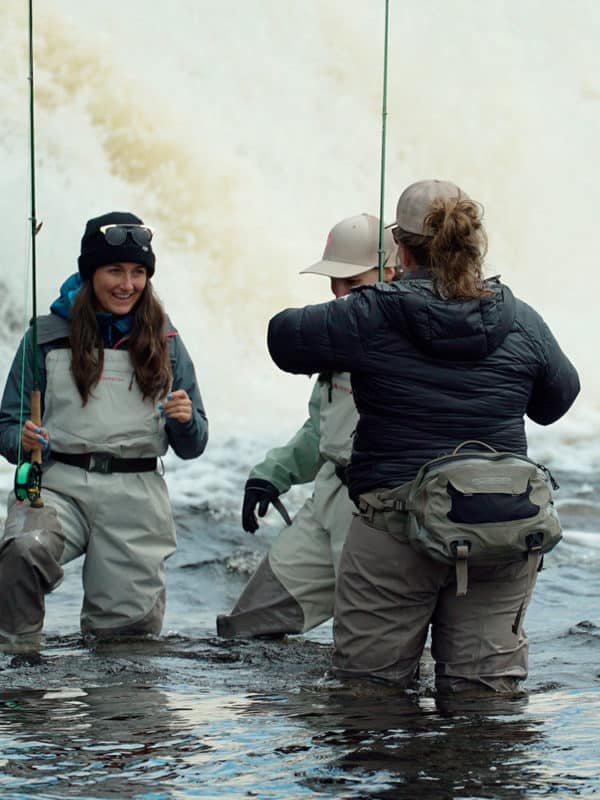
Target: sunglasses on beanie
<point>117,234</point>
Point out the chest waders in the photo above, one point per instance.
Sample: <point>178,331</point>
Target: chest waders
<point>104,500</point>
<point>293,588</point>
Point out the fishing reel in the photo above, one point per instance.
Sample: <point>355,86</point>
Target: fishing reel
<point>28,482</point>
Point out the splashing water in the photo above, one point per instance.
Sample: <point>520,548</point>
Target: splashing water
<point>243,133</point>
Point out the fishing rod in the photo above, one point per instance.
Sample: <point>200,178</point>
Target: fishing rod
<point>28,477</point>
<point>381,249</point>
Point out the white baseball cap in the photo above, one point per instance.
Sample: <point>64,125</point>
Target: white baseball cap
<point>352,247</point>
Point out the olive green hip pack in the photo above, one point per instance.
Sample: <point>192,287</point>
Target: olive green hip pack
<point>474,506</point>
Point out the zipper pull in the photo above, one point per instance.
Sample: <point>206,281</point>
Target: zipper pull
<point>554,484</point>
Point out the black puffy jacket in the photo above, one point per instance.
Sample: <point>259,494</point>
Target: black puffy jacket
<point>429,373</point>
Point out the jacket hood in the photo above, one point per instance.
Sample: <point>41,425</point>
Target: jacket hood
<point>68,290</point>
<point>464,330</point>
<point>112,326</point>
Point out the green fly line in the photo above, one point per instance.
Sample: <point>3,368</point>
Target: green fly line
<point>381,250</point>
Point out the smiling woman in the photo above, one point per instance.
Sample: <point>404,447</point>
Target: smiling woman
<point>118,387</point>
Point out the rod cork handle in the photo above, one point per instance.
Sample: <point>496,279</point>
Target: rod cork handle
<point>36,453</point>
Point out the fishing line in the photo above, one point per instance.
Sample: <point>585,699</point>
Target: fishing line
<point>381,250</point>
<point>28,476</point>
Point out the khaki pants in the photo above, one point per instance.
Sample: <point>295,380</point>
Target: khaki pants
<point>388,595</point>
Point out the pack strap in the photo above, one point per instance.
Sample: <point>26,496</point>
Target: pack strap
<point>534,557</point>
<point>462,555</point>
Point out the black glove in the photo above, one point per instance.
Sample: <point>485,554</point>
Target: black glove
<point>257,492</point>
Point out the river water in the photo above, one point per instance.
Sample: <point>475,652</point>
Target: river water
<point>190,715</point>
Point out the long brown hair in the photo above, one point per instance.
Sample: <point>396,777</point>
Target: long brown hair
<point>454,250</point>
<point>148,348</point>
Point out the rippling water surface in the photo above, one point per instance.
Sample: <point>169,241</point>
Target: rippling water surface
<point>189,715</point>
<point>163,740</point>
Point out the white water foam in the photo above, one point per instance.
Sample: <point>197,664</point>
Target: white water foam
<point>243,131</point>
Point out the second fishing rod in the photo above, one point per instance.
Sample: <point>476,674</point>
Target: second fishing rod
<point>28,475</point>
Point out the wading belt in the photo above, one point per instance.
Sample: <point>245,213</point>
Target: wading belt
<point>104,462</point>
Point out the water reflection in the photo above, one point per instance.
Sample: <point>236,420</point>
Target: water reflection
<point>185,723</point>
<point>383,744</point>
<point>123,741</point>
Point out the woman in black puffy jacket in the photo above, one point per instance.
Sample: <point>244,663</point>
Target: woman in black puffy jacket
<point>440,357</point>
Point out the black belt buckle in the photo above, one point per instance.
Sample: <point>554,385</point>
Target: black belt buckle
<point>100,462</point>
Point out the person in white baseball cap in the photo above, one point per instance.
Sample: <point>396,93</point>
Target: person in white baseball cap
<point>352,253</point>
<point>292,590</point>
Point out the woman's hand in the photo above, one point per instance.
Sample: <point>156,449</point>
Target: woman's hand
<point>177,406</point>
<point>33,436</point>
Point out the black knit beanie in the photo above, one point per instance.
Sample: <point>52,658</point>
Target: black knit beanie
<point>97,252</point>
